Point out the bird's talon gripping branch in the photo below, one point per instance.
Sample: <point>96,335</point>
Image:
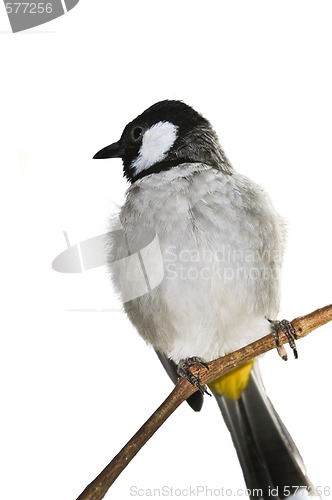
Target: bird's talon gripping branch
<point>282,352</point>
<point>196,359</point>
<point>185,372</point>
<point>287,328</point>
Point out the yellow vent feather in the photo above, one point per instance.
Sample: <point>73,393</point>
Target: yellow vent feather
<point>233,384</point>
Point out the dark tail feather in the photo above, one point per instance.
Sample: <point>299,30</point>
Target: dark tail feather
<point>268,456</point>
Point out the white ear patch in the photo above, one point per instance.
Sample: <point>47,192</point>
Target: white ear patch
<point>157,141</point>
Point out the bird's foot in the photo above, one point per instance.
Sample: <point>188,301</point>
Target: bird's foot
<point>287,328</point>
<point>185,372</point>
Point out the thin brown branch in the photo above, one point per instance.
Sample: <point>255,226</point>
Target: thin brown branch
<point>303,325</point>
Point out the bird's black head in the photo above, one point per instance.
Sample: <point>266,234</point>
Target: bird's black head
<point>165,135</point>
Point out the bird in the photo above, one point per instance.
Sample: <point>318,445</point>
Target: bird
<point>220,243</point>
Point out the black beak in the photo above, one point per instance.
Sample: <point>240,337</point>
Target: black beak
<point>112,151</point>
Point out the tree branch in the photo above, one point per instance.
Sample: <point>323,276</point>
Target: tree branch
<point>302,325</point>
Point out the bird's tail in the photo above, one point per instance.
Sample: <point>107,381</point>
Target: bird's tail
<point>271,463</point>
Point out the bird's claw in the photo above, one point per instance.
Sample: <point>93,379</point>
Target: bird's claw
<point>185,372</point>
<point>288,330</point>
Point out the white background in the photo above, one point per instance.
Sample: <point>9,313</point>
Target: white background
<point>75,386</point>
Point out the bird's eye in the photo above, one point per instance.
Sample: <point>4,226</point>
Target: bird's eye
<point>137,133</point>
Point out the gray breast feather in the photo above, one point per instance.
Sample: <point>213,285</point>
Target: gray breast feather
<point>206,251</point>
